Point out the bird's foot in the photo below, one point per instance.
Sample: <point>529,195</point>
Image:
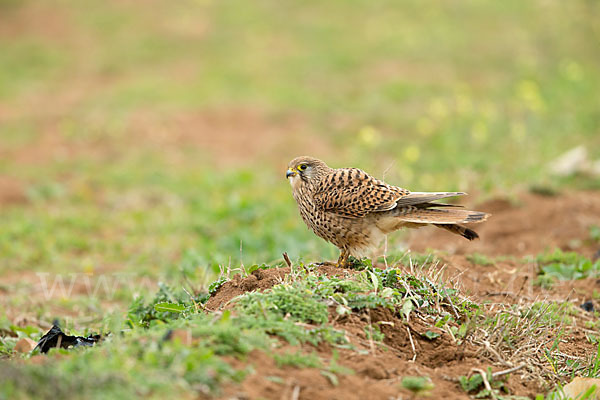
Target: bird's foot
<point>343,261</point>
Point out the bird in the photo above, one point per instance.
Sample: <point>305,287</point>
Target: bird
<point>355,211</point>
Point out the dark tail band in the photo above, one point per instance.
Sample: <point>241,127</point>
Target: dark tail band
<point>459,230</point>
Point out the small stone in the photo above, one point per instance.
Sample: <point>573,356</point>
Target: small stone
<point>182,335</point>
<point>25,345</point>
<point>588,306</point>
<point>580,386</point>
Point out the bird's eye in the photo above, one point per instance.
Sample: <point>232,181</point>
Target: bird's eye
<point>302,167</point>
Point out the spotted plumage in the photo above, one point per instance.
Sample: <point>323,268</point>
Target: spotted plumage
<point>355,211</point>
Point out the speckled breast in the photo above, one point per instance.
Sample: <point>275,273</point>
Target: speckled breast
<point>341,231</point>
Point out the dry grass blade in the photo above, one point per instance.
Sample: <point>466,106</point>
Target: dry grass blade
<point>486,383</point>
<point>286,258</point>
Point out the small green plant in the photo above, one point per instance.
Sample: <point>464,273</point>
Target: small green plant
<point>216,285</point>
<point>561,265</point>
<point>559,256</point>
<point>372,332</point>
<point>169,307</point>
<point>417,384</point>
<point>595,233</point>
<point>470,384</point>
<point>298,359</point>
<point>296,301</point>
<point>359,265</point>
<point>6,346</point>
<point>580,270</point>
<point>334,369</point>
<point>592,370</point>
<point>165,306</point>
<point>297,312</point>
<point>480,259</point>
<point>475,383</point>
<point>431,335</point>
<point>550,312</point>
<point>426,259</point>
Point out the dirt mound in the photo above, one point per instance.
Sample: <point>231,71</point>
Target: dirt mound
<point>271,381</point>
<point>408,349</point>
<point>257,280</point>
<point>262,279</point>
<point>532,225</point>
<point>378,368</point>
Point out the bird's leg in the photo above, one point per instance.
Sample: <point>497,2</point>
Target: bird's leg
<point>343,260</point>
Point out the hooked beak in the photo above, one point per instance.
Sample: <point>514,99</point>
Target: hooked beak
<point>290,172</point>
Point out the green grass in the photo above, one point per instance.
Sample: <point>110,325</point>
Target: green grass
<point>406,89</point>
<point>156,367</point>
<point>480,259</point>
<point>298,311</point>
<point>560,265</point>
<point>462,96</point>
<point>420,92</point>
<point>141,339</point>
<point>595,233</point>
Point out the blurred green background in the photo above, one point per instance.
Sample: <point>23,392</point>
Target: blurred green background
<point>151,138</point>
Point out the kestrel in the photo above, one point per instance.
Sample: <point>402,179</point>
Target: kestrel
<point>354,211</point>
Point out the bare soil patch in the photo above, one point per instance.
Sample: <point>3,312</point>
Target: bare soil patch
<point>377,369</point>
<point>530,226</point>
<point>36,20</point>
<point>12,191</point>
<point>231,136</point>
<point>218,137</point>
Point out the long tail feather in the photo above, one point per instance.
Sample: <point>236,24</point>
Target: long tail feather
<point>444,216</point>
<point>414,198</point>
<point>460,230</point>
<point>417,209</point>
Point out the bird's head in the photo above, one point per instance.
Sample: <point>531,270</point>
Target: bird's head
<point>305,169</point>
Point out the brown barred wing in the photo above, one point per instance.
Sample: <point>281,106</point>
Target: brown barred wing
<point>353,193</point>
